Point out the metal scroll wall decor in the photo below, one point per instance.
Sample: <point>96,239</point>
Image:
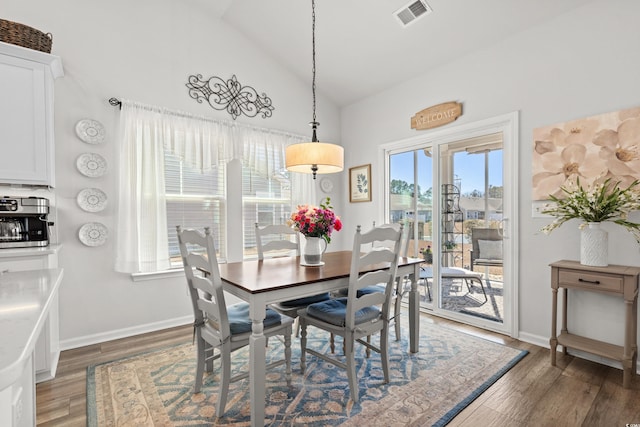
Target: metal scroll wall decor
<point>230,96</point>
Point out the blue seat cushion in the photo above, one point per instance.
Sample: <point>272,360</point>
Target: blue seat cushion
<point>371,289</point>
<point>303,302</point>
<point>364,291</point>
<point>239,321</point>
<point>335,311</point>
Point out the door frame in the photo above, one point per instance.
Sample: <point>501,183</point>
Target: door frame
<point>508,125</point>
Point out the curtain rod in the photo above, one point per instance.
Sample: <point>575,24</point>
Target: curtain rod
<point>118,103</point>
<point>115,102</point>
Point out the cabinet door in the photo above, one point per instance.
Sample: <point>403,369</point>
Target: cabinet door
<point>26,137</point>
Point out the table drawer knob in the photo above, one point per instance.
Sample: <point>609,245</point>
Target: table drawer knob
<point>595,282</point>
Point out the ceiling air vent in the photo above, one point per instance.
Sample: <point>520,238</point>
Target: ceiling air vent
<point>409,13</point>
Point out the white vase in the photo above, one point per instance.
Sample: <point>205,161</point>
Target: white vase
<point>594,245</point>
<point>313,250</point>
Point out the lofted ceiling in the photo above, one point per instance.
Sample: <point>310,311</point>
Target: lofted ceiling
<point>362,48</point>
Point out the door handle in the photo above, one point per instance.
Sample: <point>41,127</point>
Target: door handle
<point>502,228</point>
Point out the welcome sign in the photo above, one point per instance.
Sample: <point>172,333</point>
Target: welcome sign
<point>437,115</point>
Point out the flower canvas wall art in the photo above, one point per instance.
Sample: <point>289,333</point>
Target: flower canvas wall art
<point>591,149</point>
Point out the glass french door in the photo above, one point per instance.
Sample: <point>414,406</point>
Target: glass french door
<point>450,196</point>
<point>471,235</point>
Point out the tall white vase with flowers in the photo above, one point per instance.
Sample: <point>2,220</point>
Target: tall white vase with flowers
<point>600,202</point>
<point>316,224</point>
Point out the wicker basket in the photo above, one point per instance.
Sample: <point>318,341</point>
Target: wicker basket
<point>25,36</point>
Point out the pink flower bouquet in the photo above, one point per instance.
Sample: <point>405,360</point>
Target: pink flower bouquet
<point>313,221</point>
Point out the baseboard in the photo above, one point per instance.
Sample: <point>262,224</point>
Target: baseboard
<point>123,333</point>
<point>543,342</point>
<point>539,340</point>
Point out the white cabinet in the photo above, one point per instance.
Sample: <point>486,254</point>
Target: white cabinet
<point>47,348</point>
<point>26,115</point>
<point>27,299</point>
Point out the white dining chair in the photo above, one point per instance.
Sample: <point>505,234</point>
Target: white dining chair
<point>358,315</point>
<point>399,290</point>
<point>276,239</point>
<point>216,325</point>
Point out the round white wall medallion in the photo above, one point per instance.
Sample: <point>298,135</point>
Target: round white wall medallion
<point>326,185</point>
<point>92,200</point>
<point>91,164</point>
<point>90,131</point>
<point>93,234</point>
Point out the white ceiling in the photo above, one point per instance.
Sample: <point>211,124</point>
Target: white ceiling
<point>361,48</point>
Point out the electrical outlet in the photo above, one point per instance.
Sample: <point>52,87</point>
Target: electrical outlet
<point>537,206</point>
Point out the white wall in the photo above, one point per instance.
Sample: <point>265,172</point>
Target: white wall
<point>579,64</point>
<point>141,50</point>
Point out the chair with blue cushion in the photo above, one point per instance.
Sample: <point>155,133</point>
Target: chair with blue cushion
<point>218,326</point>
<point>399,291</point>
<point>281,240</point>
<point>358,315</point>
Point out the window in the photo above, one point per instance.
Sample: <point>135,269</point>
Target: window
<point>175,170</point>
<point>265,200</point>
<point>194,200</point>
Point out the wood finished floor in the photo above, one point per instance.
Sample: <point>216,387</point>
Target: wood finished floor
<point>574,393</point>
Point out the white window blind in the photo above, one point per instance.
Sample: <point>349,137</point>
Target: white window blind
<point>195,199</point>
<point>266,200</point>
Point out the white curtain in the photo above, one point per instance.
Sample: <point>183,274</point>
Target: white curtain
<point>145,132</point>
<point>141,238</point>
<point>255,142</point>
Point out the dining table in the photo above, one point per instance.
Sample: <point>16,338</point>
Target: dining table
<point>273,280</point>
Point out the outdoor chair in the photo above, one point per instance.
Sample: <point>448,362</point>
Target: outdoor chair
<point>486,247</point>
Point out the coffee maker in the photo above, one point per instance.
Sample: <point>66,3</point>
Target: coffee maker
<point>23,222</point>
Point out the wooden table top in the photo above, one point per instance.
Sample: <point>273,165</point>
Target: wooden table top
<point>280,273</point>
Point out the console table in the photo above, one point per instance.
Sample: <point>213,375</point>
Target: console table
<point>613,280</point>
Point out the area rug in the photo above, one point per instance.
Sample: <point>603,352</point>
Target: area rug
<point>430,387</point>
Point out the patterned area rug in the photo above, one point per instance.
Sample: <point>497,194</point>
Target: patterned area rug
<point>428,388</point>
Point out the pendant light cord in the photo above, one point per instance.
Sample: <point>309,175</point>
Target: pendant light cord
<point>314,124</point>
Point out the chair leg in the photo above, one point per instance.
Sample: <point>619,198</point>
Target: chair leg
<point>367,352</point>
<point>303,346</point>
<point>200,362</point>
<point>225,377</point>
<point>210,351</point>
<point>296,325</point>
<point>287,354</point>
<point>384,353</point>
<point>332,343</point>
<point>351,367</point>
<point>396,313</point>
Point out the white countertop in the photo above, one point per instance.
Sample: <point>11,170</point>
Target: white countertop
<point>28,252</point>
<point>25,299</point>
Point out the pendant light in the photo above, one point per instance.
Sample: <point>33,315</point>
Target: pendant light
<point>314,157</point>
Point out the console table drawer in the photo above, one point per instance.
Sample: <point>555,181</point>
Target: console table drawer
<point>590,281</point>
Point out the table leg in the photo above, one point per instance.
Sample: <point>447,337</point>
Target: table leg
<point>257,363</point>
<point>634,335</point>
<point>627,357</point>
<point>565,304</point>
<point>414,311</point>
<point>553,341</point>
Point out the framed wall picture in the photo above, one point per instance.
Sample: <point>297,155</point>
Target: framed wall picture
<point>593,148</point>
<point>360,183</point>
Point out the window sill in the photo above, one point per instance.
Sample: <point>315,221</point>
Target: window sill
<point>143,277</point>
<point>165,274</point>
